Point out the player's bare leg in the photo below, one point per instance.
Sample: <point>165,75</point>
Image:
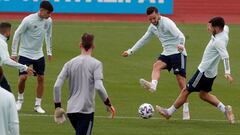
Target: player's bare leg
<point>227,110</point>
<point>39,92</point>
<point>157,67</point>
<point>182,84</point>
<point>21,87</point>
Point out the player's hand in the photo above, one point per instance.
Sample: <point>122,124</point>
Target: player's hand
<point>14,58</point>
<point>30,71</point>
<point>229,77</point>
<point>59,115</point>
<point>180,48</point>
<point>49,58</point>
<point>112,110</point>
<point>125,54</point>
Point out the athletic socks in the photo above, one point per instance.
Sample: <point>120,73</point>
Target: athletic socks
<point>221,107</point>
<point>20,97</point>
<point>185,107</point>
<point>38,102</point>
<point>154,84</point>
<point>171,110</point>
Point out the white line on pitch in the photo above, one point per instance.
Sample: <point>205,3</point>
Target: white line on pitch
<point>124,117</point>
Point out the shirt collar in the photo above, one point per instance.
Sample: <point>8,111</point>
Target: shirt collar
<point>39,18</point>
<point>3,37</point>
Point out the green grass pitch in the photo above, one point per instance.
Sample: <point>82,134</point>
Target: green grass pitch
<point>121,81</point>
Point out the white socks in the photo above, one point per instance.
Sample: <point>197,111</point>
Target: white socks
<point>38,101</point>
<point>20,97</point>
<point>154,84</point>
<point>221,107</point>
<point>171,110</point>
<point>185,107</point>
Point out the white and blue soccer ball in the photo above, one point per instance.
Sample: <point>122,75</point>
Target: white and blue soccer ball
<point>146,111</point>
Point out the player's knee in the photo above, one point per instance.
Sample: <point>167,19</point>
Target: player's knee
<point>203,96</point>
<point>157,66</point>
<point>23,78</point>
<point>40,78</point>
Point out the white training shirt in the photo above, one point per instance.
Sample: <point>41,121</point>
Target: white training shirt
<point>5,58</point>
<point>168,34</point>
<point>9,122</point>
<point>31,33</point>
<point>85,75</point>
<point>215,50</point>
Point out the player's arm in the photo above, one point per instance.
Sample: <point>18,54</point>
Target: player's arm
<point>222,50</point>
<point>98,84</point>
<point>142,41</point>
<point>59,114</point>
<point>16,38</point>
<point>48,40</point>
<point>8,61</point>
<point>13,124</point>
<point>173,29</point>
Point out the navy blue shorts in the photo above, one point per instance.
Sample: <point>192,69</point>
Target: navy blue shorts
<point>200,82</point>
<point>177,62</point>
<point>38,65</point>
<point>82,123</point>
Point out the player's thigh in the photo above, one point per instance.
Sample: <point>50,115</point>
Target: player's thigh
<point>159,65</point>
<point>25,61</point>
<point>39,66</point>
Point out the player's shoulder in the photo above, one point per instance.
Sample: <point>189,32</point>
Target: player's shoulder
<point>5,94</point>
<point>49,20</point>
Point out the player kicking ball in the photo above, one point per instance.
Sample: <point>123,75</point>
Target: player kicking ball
<point>204,77</point>
<point>174,54</point>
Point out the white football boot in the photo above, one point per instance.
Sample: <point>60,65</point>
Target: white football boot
<point>39,109</point>
<point>229,114</point>
<point>146,85</point>
<point>19,104</point>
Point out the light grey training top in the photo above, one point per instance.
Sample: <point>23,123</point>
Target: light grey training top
<point>168,34</point>
<point>85,75</point>
<point>215,50</point>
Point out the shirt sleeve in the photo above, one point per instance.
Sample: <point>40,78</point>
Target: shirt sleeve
<point>101,90</point>
<point>142,41</point>
<point>98,72</point>
<point>13,118</point>
<point>173,29</point>
<point>222,50</point>
<point>59,82</point>
<point>16,38</point>
<point>8,61</point>
<point>48,39</point>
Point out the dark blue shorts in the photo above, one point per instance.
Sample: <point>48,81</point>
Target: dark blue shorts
<point>38,65</point>
<point>177,62</point>
<point>200,82</point>
<point>82,123</point>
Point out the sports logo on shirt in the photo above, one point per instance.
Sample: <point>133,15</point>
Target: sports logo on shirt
<point>35,26</point>
<point>45,26</point>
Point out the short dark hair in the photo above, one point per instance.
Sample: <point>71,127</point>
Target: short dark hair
<point>46,5</point>
<point>87,41</point>
<point>217,22</point>
<point>4,26</point>
<point>151,9</point>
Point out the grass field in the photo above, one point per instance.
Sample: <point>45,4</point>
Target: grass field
<point>121,81</point>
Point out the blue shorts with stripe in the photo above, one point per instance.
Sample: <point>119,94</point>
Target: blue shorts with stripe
<point>199,82</point>
<point>38,65</point>
<point>82,123</point>
<point>177,62</point>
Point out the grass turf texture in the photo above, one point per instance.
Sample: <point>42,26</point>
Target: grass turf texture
<point>121,81</point>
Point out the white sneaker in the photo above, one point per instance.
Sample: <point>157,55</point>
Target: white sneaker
<point>39,109</point>
<point>19,104</point>
<point>146,85</point>
<point>186,115</point>
<point>163,112</point>
<point>229,114</point>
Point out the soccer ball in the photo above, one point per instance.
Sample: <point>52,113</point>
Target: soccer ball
<point>146,111</point>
